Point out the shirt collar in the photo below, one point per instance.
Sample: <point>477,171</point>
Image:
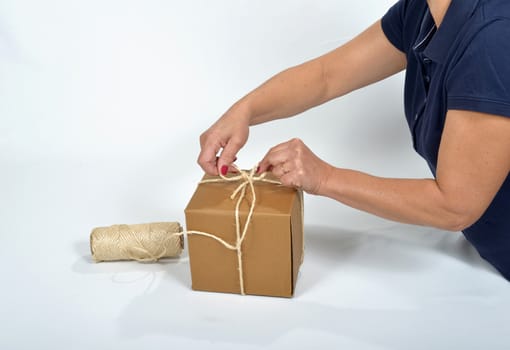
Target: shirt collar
<point>456,16</point>
<point>427,30</point>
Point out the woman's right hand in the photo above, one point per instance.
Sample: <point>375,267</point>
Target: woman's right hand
<point>228,134</point>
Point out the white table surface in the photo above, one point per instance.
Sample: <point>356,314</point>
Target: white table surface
<point>387,287</point>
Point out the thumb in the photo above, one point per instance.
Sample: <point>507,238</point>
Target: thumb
<point>228,155</point>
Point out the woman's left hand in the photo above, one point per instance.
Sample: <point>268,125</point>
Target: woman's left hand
<point>296,166</point>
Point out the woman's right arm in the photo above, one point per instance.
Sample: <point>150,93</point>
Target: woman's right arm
<point>366,59</point>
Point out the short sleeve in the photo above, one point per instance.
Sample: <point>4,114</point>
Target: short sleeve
<point>480,79</point>
<point>393,24</point>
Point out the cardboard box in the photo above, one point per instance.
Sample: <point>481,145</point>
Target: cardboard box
<point>272,250</point>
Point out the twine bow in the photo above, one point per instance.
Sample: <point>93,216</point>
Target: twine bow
<point>247,178</point>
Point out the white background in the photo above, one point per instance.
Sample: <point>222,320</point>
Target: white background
<point>101,107</point>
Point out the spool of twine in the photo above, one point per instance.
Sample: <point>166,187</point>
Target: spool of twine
<point>141,242</point>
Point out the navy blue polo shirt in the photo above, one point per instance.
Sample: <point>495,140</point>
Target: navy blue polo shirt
<point>464,65</point>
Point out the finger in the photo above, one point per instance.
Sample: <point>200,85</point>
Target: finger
<point>290,180</point>
<point>228,155</point>
<point>273,159</point>
<point>232,168</point>
<point>274,156</point>
<point>207,158</point>
<point>278,171</point>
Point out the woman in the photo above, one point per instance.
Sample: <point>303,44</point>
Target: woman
<point>457,104</point>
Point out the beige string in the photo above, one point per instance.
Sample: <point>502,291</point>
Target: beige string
<point>248,178</point>
<point>141,242</point>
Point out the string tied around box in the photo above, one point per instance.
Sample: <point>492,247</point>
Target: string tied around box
<point>247,178</point>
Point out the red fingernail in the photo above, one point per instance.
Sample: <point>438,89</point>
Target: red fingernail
<point>224,170</point>
<point>258,170</point>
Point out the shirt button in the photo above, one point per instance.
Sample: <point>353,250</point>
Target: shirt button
<point>426,60</point>
<point>427,79</point>
<point>416,116</point>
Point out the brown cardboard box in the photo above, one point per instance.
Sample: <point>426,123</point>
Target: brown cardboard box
<point>272,250</point>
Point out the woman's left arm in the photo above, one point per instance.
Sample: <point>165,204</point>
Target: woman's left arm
<point>473,162</point>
